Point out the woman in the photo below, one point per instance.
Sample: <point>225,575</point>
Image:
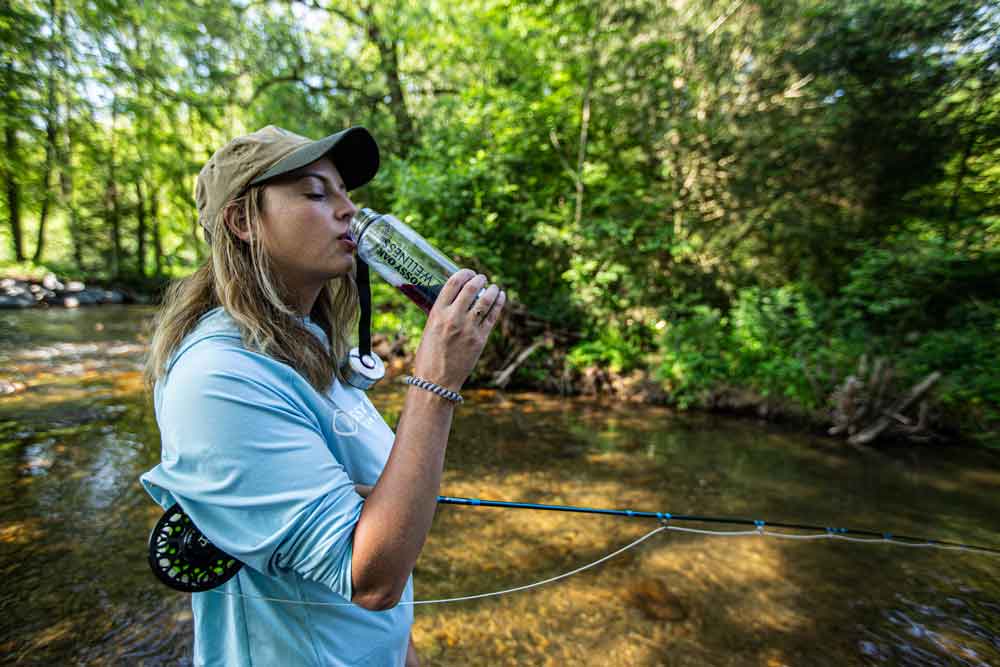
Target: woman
<point>265,447</point>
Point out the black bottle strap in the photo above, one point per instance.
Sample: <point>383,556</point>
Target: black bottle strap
<point>365,321</point>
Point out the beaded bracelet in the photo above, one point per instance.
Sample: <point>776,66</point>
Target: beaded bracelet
<point>452,396</point>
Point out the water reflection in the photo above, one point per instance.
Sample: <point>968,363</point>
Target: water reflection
<point>77,589</point>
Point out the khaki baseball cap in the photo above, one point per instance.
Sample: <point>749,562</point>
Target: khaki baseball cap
<point>273,151</point>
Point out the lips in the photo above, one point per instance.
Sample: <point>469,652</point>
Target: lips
<point>346,239</point>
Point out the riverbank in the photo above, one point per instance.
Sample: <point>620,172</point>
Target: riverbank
<point>45,289</point>
<point>52,292</point>
<point>866,422</point>
<point>863,406</point>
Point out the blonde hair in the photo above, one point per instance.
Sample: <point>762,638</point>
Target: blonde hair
<point>239,277</point>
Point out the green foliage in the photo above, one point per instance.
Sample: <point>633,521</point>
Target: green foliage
<point>915,285</point>
<point>933,305</point>
<point>970,390</point>
<point>696,356</point>
<point>617,350</point>
<point>930,309</point>
<point>771,340</point>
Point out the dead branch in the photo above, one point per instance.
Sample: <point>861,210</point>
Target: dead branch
<point>502,377</point>
<point>883,422</point>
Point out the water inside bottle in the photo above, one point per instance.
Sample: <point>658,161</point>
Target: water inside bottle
<point>425,295</point>
<point>422,295</point>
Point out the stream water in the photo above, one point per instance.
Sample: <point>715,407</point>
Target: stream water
<point>74,523</point>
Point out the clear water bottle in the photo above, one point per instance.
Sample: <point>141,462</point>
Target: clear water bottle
<point>402,256</point>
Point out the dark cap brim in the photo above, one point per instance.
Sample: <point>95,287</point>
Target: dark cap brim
<point>353,151</point>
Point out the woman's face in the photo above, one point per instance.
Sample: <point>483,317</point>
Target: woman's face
<point>306,214</point>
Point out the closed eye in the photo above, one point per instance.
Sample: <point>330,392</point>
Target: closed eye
<point>316,196</point>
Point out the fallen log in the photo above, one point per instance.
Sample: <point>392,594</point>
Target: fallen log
<point>883,422</point>
<point>502,377</point>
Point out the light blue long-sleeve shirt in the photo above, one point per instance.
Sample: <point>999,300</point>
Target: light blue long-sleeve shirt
<point>265,466</point>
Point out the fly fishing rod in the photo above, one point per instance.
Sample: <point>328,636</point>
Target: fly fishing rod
<point>184,559</point>
<point>760,524</point>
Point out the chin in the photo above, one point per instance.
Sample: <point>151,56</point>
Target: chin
<point>342,267</point>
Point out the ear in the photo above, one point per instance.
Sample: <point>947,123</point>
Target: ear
<point>236,221</point>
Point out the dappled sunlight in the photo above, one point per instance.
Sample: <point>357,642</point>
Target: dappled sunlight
<point>75,522</point>
<point>59,631</point>
<point>20,532</point>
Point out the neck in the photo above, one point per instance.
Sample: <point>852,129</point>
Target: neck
<point>304,298</point>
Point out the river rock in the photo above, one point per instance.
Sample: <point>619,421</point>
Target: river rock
<point>41,293</point>
<point>50,282</point>
<point>111,296</point>
<point>50,291</point>
<point>63,299</point>
<point>15,294</point>
<point>656,600</point>
<point>88,297</point>
<point>7,387</point>
<point>15,301</point>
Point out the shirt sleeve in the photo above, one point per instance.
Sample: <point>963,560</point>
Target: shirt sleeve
<point>248,462</point>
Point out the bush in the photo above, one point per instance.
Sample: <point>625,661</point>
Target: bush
<point>617,350</point>
<point>928,308</point>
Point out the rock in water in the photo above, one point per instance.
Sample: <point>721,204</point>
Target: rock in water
<point>655,600</point>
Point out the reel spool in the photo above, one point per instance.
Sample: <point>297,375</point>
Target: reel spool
<point>183,558</point>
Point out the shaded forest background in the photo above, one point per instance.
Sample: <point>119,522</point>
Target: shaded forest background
<point>720,196</point>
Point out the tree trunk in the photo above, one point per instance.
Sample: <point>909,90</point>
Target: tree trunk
<point>140,262</point>
<point>397,100</point>
<point>581,155</point>
<point>154,221</point>
<point>956,193</point>
<point>43,216</point>
<point>67,198</point>
<point>111,199</point>
<point>50,141</point>
<point>13,190</point>
<point>64,159</point>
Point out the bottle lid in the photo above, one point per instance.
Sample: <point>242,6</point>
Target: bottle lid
<point>364,371</point>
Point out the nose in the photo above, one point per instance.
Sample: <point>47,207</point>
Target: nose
<point>345,208</point>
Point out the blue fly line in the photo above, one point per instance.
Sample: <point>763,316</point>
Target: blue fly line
<point>665,519</point>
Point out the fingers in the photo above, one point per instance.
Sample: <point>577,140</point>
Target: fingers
<point>453,286</point>
<point>468,293</point>
<point>482,305</point>
<point>494,314</point>
<point>465,294</point>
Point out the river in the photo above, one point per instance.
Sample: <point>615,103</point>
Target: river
<point>74,524</point>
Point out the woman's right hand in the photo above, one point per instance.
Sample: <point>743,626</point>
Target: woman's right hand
<point>455,334</point>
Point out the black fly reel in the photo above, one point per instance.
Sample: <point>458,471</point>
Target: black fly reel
<point>184,559</point>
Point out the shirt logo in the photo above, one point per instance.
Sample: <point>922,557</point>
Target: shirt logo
<point>349,422</point>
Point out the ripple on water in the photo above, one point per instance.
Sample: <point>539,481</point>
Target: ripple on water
<point>38,457</point>
<point>34,365</point>
<point>936,628</point>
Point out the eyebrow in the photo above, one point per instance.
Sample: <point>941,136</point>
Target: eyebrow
<point>321,177</point>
